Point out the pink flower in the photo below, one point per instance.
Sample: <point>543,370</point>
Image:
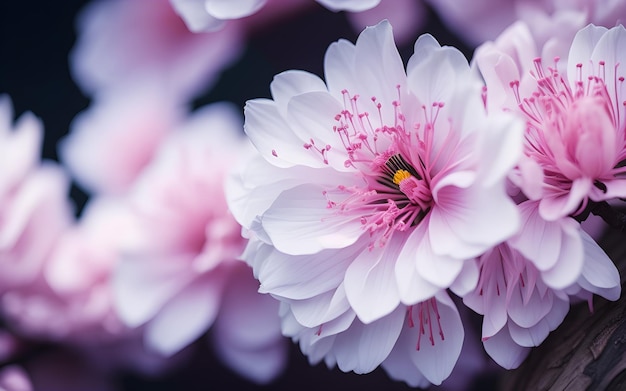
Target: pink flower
<point>123,40</point>
<point>14,378</point>
<point>128,123</point>
<point>186,266</point>
<point>525,284</point>
<point>551,20</point>
<point>574,139</point>
<point>34,209</point>
<point>371,192</point>
<point>71,301</point>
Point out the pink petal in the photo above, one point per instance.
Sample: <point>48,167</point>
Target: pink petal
<point>197,304</point>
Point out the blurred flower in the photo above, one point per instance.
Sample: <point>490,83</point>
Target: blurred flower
<point>185,266</point>
<point>14,378</point>
<point>112,141</point>
<point>122,40</point>
<point>549,19</point>
<point>34,208</point>
<point>371,193</point>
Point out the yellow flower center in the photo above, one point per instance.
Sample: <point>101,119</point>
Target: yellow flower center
<point>400,175</point>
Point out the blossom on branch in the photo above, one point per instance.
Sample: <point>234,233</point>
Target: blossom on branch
<point>372,192</point>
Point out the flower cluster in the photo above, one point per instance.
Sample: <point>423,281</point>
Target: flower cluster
<point>371,215</point>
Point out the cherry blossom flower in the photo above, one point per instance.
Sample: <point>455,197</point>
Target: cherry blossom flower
<point>122,40</point>
<point>571,115</point>
<point>527,283</point>
<point>34,209</point>
<point>186,265</point>
<point>549,19</point>
<point>370,193</point>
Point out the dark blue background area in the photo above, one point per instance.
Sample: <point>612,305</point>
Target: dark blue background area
<point>35,39</point>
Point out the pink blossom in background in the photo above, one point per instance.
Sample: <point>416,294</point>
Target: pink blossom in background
<point>185,266</point>
<point>371,194</point>
<point>121,40</point>
<point>571,115</point>
<point>14,378</point>
<point>72,300</point>
<point>34,208</point>
<point>111,142</point>
<point>549,19</point>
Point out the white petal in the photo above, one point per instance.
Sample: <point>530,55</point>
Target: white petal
<point>195,15</point>
<point>233,9</point>
<point>434,73</point>
<point>364,347</point>
<point>467,279</point>
<point>301,277</point>
<point>467,221</point>
<point>437,360</point>
<point>413,288</point>
<point>273,137</point>
<point>141,286</point>
<point>399,367</point>
<point>292,83</point>
<point>370,281</point>
<point>349,5</point>
<point>599,274</point>
<point>504,350</point>
<point>321,309</point>
<point>299,222</point>
<point>580,51</point>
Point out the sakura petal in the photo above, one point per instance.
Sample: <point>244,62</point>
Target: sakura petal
<point>399,367</point>
<point>197,304</point>
<point>599,274</point>
<point>437,270</point>
<point>581,50</point>
<point>349,5</point>
<point>373,343</point>
<point>140,288</point>
<point>467,279</point>
<point>478,218</point>
<point>272,136</point>
<point>194,13</point>
<point>530,313</point>
<point>310,275</point>
<point>292,83</point>
<point>296,226</point>
<point>436,360</point>
<point>369,282</point>
<point>504,350</point>
<point>228,9</point>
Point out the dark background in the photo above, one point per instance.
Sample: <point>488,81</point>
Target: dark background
<point>35,39</point>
